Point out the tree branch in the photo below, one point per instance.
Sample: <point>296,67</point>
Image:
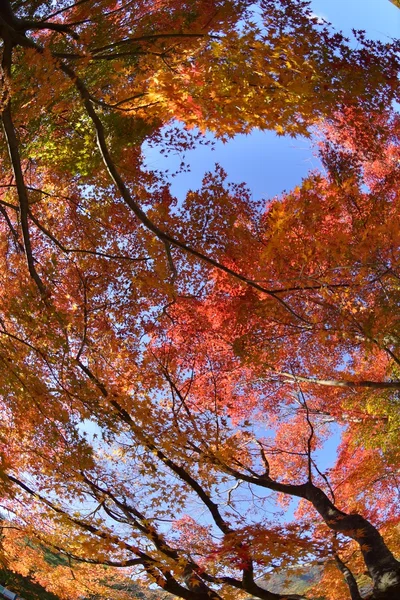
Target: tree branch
<point>349,578</point>
<point>12,144</point>
<point>137,210</point>
<point>379,385</point>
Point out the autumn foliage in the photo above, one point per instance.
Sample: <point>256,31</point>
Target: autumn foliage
<point>171,370</point>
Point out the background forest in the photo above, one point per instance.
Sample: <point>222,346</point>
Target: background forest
<point>173,371</point>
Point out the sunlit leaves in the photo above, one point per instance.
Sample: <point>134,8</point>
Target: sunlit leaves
<point>193,357</point>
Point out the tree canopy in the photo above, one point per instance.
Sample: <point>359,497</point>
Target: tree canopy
<point>171,369</point>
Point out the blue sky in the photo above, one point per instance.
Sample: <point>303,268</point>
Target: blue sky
<point>380,18</point>
<point>267,163</point>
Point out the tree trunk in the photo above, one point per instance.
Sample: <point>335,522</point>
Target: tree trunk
<point>382,566</point>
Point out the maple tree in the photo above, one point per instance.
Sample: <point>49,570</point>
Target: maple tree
<point>170,369</point>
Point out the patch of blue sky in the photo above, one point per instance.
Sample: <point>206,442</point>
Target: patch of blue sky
<point>268,163</point>
<point>379,18</point>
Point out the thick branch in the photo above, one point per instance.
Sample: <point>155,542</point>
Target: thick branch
<point>378,385</point>
<point>12,144</point>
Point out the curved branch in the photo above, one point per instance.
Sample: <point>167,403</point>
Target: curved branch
<point>137,210</point>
